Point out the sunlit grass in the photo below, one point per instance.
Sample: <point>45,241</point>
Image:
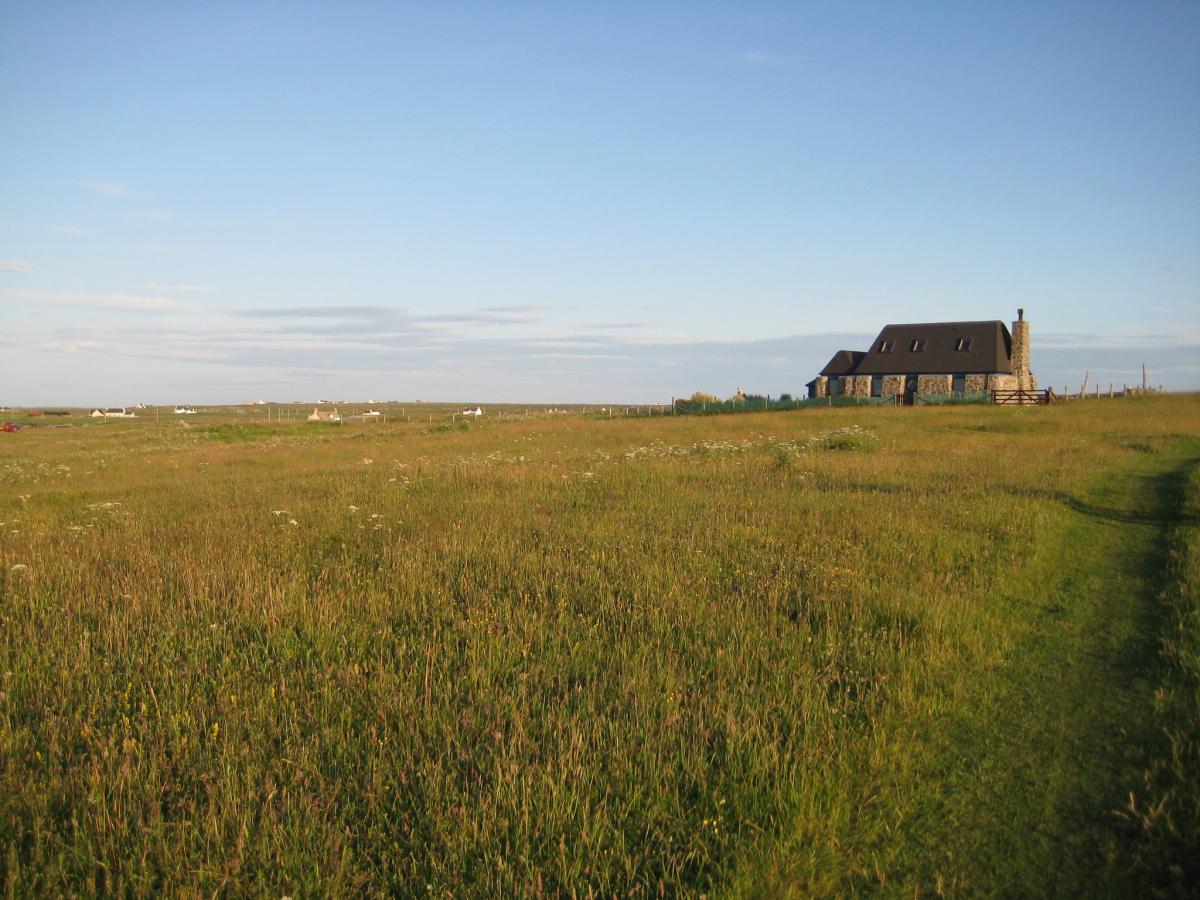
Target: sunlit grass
<point>507,657</point>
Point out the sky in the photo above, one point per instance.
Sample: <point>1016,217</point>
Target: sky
<point>215,203</point>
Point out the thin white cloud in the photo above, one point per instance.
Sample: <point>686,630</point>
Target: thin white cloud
<point>178,288</point>
<point>1179,335</point>
<point>14,265</point>
<point>92,300</point>
<point>68,230</point>
<point>766,58</point>
<point>114,189</point>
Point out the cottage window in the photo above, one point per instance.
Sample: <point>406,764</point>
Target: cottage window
<point>886,346</point>
<point>962,344</point>
<point>918,345</point>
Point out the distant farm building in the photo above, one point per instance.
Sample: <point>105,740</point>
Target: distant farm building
<point>477,411</point>
<point>943,358</point>
<point>185,411</point>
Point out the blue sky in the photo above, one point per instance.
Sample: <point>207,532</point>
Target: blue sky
<point>221,202</point>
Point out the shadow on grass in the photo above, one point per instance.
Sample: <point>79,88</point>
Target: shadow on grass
<point>1163,511</point>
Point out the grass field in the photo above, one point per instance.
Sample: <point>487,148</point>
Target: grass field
<point>907,651</point>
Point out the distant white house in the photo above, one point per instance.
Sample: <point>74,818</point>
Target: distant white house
<point>477,411</point>
<point>373,413</point>
<point>185,411</point>
<point>317,415</point>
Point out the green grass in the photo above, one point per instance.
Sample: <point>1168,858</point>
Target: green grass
<point>825,651</point>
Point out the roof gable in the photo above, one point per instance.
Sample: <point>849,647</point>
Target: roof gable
<point>844,362</point>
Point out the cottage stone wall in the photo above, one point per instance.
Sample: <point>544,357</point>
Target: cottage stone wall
<point>934,384</point>
<point>974,384</point>
<point>821,386</point>
<point>893,386</point>
<point>857,385</point>
<point>1003,383</point>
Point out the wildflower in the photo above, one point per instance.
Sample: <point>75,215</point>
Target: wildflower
<point>353,508</point>
<point>293,522</point>
<point>18,567</point>
<point>367,462</point>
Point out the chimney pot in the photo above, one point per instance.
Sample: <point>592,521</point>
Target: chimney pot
<point>1020,315</point>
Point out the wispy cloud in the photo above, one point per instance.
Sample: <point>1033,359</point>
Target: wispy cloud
<point>617,326</point>
<point>323,312</point>
<point>114,189</point>
<point>96,300</point>
<point>488,316</point>
<point>14,265</point>
<point>69,230</point>
<point>178,288</point>
<point>1180,336</point>
<point>766,58</point>
<point>517,308</point>
<point>353,357</point>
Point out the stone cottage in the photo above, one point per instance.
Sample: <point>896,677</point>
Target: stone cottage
<point>933,358</point>
<point>320,415</point>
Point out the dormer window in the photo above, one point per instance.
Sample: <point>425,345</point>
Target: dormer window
<point>962,344</point>
<point>886,346</point>
<point>918,346</point>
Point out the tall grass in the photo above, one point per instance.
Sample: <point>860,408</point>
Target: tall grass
<point>545,656</point>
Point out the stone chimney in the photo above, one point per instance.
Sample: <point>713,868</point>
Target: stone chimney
<point>1020,353</point>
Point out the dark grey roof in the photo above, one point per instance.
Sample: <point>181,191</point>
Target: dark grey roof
<point>843,362</point>
<point>990,350</point>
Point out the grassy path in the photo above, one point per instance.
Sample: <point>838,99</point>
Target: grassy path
<point>1016,785</point>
